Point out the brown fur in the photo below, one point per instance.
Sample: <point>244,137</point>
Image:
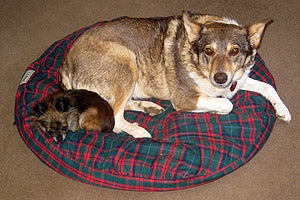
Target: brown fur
<point>190,59</point>
<point>73,110</point>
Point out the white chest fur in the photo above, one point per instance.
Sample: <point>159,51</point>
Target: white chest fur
<point>206,87</point>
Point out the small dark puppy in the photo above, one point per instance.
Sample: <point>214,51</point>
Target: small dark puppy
<point>73,110</point>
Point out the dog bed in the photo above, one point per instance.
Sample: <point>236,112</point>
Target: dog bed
<point>186,149</point>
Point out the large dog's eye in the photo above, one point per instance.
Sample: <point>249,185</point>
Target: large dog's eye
<point>209,52</point>
<point>234,51</point>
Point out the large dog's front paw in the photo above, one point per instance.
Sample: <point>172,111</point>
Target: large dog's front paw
<point>282,112</point>
<point>223,107</point>
<point>220,106</point>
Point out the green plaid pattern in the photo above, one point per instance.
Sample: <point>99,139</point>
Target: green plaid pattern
<point>186,149</point>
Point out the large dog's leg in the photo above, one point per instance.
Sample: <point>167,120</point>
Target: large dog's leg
<point>269,93</point>
<point>213,105</point>
<point>144,106</point>
<point>125,76</point>
<point>133,129</point>
<point>122,125</point>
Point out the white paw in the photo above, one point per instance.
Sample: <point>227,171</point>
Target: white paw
<point>220,106</point>
<point>135,130</point>
<point>224,106</point>
<point>117,130</point>
<point>282,112</point>
<point>139,132</point>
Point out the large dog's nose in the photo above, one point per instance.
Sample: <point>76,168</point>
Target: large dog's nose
<point>220,77</point>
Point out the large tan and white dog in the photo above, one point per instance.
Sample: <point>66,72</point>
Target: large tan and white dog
<point>196,61</point>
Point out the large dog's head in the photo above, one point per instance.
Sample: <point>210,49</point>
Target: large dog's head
<point>222,48</point>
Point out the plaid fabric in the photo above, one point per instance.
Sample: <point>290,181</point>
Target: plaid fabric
<point>187,149</point>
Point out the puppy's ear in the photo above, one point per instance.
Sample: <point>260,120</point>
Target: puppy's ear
<point>40,109</point>
<point>62,104</point>
<point>256,32</point>
<point>192,28</point>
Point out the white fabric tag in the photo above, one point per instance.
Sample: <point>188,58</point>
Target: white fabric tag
<point>27,76</point>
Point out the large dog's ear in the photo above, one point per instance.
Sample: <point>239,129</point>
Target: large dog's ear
<point>192,28</point>
<point>256,32</point>
<point>62,104</point>
<point>40,109</point>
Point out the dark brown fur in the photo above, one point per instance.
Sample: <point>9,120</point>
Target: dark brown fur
<point>73,110</point>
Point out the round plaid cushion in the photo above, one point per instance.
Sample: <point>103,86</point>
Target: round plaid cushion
<point>186,149</point>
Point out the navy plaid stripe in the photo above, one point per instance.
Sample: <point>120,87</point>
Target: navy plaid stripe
<point>187,149</point>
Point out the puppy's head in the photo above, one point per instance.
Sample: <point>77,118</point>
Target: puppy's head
<point>51,116</point>
<point>223,49</point>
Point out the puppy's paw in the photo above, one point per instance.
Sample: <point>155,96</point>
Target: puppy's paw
<point>282,112</point>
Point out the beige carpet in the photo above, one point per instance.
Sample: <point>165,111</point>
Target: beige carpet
<point>29,27</point>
